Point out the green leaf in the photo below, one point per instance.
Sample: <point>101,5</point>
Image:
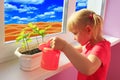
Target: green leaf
<point>30,24</point>
<point>42,31</point>
<point>23,45</point>
<point>19,38</point>
<point>34,26</point>
<point>28,40</point>
<point>48,27</point>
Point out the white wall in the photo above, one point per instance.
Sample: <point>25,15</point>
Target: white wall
<point>112,18</point>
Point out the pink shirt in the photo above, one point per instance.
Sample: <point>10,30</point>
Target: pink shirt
<point>103,52</point>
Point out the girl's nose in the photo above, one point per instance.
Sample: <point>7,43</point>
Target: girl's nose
<point>74,38</point>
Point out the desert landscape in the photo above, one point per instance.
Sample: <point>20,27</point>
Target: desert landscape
<point>12,30</point>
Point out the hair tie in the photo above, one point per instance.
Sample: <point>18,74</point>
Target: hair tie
<point>91,16</point>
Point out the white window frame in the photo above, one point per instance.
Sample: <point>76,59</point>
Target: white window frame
<point>7,49</point>
<point>98,8</point>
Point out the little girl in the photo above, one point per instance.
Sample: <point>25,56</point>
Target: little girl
<point>92,57</point>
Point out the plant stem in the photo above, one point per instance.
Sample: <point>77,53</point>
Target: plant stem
<point>28,47</point>
<point>24,44</point>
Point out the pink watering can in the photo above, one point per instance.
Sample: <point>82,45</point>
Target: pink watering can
<point>50,57</point>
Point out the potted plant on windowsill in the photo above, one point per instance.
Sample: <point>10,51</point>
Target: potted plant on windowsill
<point>29,55</point>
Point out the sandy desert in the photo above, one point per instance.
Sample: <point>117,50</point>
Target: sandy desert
<point>12,30</point>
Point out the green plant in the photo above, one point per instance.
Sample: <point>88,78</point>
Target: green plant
<point>25,37</point>
<point>36,30</point>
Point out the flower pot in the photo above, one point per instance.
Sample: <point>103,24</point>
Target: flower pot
<point>28,62</point>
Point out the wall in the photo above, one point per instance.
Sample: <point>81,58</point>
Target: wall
<point>114,71</point>
<point>112,18</point>
<point>68,74</point>
<point>112,27</point>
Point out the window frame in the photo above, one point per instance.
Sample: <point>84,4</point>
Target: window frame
<point>100,9</point>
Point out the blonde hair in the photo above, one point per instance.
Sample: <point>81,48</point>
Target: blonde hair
<point>84,17</point>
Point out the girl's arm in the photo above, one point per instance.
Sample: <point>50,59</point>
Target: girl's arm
<point>86,65</point>
<point>78,48</point>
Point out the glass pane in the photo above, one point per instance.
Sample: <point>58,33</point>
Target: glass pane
<point>18,13</point>
<point>80,4</point>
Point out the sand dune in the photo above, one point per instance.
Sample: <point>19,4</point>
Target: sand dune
<point>12,30</point>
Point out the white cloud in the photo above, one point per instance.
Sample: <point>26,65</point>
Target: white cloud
<point>49,13</point>
<point>52,16</point>
<point>23,19</point>
<point>9,7</point>
<point>30,12</point>
<point>55,8</point>
<point>51,7</point>
<point>58,9</point>
<point>19,18</point>
<point>24,8</point>
<point>46,15</point>
<point>16,17</point>
<point>26,1</point>
<point>81,4</point>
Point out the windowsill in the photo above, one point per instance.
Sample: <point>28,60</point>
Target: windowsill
<point>11,70</point>
<point>113,40</point>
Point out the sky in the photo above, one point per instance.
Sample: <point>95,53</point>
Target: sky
<point>24,11</point>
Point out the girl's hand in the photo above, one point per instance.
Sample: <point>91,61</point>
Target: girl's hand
<point>57,43</point>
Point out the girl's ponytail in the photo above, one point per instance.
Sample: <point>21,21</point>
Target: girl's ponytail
<point>98,23</point>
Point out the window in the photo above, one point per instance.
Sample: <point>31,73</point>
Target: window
<point>92,4</point>
<point>7,49</point>
<point>98,6</point>
<point>80,4</point>
<point>18,13</point>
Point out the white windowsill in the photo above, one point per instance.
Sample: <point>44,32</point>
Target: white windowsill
<point>113,40</point>
<point>11,71</point>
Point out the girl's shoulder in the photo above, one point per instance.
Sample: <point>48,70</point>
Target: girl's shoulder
<point>103,43</point>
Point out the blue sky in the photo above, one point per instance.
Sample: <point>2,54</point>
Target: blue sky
<point>24,11</point>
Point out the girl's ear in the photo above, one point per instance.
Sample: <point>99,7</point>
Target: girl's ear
<point>88,28</point>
